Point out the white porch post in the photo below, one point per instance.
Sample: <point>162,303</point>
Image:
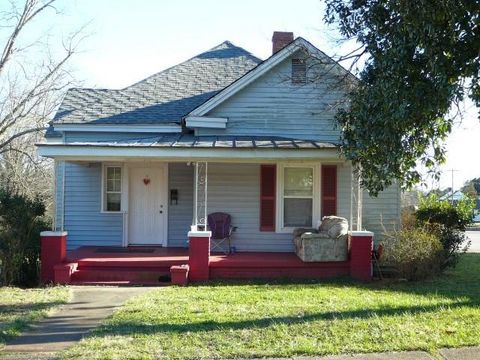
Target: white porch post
<point>359,201</point>
<point>356,200</point>
<point>200,196</point>
<point>59,194</point>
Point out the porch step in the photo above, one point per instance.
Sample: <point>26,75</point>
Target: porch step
<point>119,283</point>
<point>143,263</point>
<point>129,276</point>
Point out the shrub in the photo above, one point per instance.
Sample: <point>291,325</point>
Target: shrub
<point>21,220</point>
<point>457,216</point>
<point>408,218</point>
<point>416,253</point>
<point>449,222</point>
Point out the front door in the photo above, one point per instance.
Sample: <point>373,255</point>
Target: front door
<point>147,205</point>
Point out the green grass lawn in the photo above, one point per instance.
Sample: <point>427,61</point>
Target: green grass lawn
<point>285,319</point>
<point>21,307</point>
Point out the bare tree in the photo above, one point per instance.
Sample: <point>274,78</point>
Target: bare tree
<point>33,78</point>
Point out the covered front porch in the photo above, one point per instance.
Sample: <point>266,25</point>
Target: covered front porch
<point>132,214</point>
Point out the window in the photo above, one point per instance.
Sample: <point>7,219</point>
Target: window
<point>298,196</point>
<point>112,198</point>
<point>299,71</point>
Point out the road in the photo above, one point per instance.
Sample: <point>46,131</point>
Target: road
<point>474,236</point>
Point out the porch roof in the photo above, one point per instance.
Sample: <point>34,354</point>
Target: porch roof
<point>233,142</point>
<point>195,147</point>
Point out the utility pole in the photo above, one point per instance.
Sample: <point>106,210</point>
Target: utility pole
<point>452,171</point>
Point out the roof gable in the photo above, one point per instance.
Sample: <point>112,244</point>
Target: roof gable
<point>162,98</point>
<point>276,59</point>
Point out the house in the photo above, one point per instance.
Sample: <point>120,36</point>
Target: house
<point>454,197</point>
<point>223,131</point>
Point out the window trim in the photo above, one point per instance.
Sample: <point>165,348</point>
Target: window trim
<point>105,166</point>
<point>279,226</point>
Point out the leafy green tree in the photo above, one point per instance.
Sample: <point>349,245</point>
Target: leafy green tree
<point>472,186</point>
<point>469,189</point>
<point>422,58</point>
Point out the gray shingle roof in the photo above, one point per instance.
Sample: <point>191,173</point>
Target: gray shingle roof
<point>164,97</point>
<point>233,142</point>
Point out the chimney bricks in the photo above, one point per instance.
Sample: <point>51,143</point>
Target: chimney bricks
<point>280,39</point>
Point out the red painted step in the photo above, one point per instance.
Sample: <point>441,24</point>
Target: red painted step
<point>119,283</point>
<point>83,274</point>
<point>138,263</point>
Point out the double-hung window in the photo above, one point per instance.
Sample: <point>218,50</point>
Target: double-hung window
<point>298,196</point>
<point>112,187</point>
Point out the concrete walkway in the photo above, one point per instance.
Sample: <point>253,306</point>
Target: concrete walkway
<point>90,305</point>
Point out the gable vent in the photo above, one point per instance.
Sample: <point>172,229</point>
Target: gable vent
<point>299,71</point>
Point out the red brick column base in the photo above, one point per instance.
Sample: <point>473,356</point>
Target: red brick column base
<point>179,274</point>
<point>53,251</point>
<point>360,246</point>
<point>199,255</point>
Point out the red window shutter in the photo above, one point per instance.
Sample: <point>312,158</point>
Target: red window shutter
<point>329,190</point>
<point>268,177</point>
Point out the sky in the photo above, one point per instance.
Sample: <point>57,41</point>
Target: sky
<point>128,40</point>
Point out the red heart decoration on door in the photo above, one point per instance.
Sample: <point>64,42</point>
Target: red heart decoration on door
<point>146,181</point>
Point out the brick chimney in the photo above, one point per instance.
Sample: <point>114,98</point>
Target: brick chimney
<point>280,39</point>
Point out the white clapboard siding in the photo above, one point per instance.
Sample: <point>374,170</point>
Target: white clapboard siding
<point>180,177</point>
<point>235,189</point>
<point>383,212</point>
<point>85,224</point>
<point>271,105</point>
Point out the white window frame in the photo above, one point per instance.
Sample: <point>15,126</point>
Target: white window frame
<point>279,226</point>
<point>105,166</point>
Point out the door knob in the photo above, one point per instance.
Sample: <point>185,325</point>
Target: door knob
<point>161,211</point>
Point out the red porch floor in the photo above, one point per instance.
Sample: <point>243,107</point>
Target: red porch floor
<point>151,265</point>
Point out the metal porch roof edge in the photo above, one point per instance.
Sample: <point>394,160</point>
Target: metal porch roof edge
<point>207,142</point>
